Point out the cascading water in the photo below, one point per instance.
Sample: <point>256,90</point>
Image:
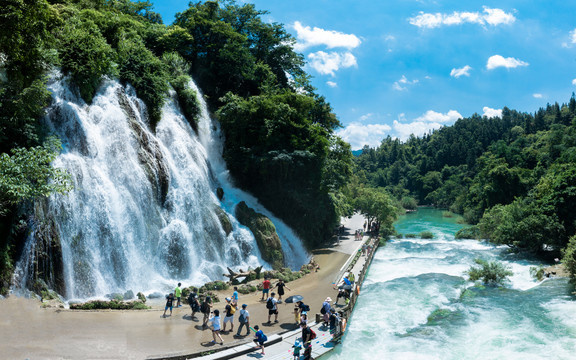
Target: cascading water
<point>414,303</point>
<point>143,214</point>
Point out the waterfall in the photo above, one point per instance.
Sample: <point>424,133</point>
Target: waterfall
<point>143,214</point>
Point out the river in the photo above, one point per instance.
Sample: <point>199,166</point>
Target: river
<point>413,303</point>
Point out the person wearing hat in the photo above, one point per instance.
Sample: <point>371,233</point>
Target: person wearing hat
<point>229,315</point>
<point>325,310</point>
<point>244,320</point>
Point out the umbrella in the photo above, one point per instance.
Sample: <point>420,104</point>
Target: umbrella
<point>346,287</point>
<point>294,298</point>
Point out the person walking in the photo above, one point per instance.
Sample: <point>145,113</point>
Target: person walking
<point>272,306</point>
<point>194,304</point>
<point>235,297</point>
<point>169,304</point>
<point>265,288</point>
<point>281,285</point>
<point>178,294</point>
<point>205,308</point>
<point>307,336</point>
<point>215,322</point>
<point>260,338</point>
<point>229,315</point>
<point>325,310</point>
<point>244,320</point>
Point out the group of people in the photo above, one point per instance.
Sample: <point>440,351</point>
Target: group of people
<point>212,317</point>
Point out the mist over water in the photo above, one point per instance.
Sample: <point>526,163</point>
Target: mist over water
<point>143,214</point>
<point>412,304</point>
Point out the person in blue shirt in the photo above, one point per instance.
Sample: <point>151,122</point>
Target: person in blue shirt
<point>259,338</point>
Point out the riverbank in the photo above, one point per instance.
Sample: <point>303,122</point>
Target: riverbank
<point>28,331</point>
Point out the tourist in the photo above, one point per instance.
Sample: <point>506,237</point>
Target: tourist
<point>215,320</point>
<point>265,288</point>
<point>325,310</point>
<point>229,311</point>
<point>297,314</point>
<point>259,338</point>
<point>244,320</point>
<point>178,294</point>
<point>281,285</point>
<point>169,302</point>
<point>364,247</point>
<point>307,336</point>
<point>205,308</point>
<point>194,304</point>
<point>272,306</point>
<point>235,297</point>
<point>297,347</point>
<point>333,319</point>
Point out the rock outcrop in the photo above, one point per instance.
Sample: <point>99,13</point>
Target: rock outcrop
<point>265,233</point>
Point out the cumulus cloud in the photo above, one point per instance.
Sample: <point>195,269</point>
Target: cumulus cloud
<point>537,96</point>
<point>433,116</point>
<point>332,84</point>
<point>358,135</point>
<point>488,16</point>
<point>497,61</point>
<point>573,81</point>
<point>327,63</point>
<point>464,71</point>
<point>489,112</point>
<point>403,83</point>
<point>573,36</point>
<point>308,37</point>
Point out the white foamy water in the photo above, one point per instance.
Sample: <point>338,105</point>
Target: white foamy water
<point>414,304</point>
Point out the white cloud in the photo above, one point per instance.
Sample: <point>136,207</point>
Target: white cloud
<point>573,81</point>
<point>496,61</point>
<point>366,116</point>
<point>328,63</point>
<point>358,135</point>
<point>433,116</point>
<point>489,16</point>
<point>489,112</point>
<point>308,37</point>
<point>464,71</point>
<point>403,83</point>
<point>537,96</point>
<point>573,36</point>
<point>332,84</point>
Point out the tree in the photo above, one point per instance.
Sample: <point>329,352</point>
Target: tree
<point>375,204</point>
<point>29,174</point>
<point>491,273</point>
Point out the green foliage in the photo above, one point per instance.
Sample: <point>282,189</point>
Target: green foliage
<point>409,203</point>
<point>537,272</point>
<point>28,174</point>
<point>569,257</point>
<point>85,55</point>
<point>216,285</point>
<point>376,205</point>
<point>472,232</point>
<point>426,235</point>
<point>112,304</point>
<point>139,67</point>
<point>491,273</point>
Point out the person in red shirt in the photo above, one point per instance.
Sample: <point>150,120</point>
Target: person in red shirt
<point>265,288</point>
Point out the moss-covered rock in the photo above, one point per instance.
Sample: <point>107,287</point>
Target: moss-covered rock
<point>265,233</point>
<point>220,193</point>
<point>224,220</point>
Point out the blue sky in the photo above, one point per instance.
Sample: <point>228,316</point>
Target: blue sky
<point>396,67</point>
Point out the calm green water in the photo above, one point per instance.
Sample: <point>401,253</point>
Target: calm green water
<point>412,307</point>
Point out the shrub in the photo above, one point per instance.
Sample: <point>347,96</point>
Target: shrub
<point>537,272</point>
<point>491,273</point>
<point>569,257</point>
<point>411,236</point>
<point>468,233</point>
<point>426,235</point>
<point>447,214</point>
<point>112,304</point>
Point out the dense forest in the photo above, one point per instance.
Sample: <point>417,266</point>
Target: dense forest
<point>513,176</point>
<point>280,143</point>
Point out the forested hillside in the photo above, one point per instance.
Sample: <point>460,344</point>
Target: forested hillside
<point>514,176</point>
<point>280,141</point>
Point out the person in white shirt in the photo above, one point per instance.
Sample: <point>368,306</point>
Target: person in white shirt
<point>215,322</point>
<point>244,320</point>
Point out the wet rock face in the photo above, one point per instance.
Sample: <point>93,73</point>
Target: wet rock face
<point>265,233</point>
<point>149,152</point>
<point>224,220</point>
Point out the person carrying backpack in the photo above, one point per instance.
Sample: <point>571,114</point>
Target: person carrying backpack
<point>260,338</point>
<point>325,310</point>
<point>244,320</point>
<point>194,304</point>
<point>229,315</point>
<point>307,336</point>
<point>205,309</point>
<point>272,306</point>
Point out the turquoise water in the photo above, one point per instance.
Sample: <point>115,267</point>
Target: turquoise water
<point>413,304</point>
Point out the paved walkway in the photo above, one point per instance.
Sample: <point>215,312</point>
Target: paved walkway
<point>280,346</point>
